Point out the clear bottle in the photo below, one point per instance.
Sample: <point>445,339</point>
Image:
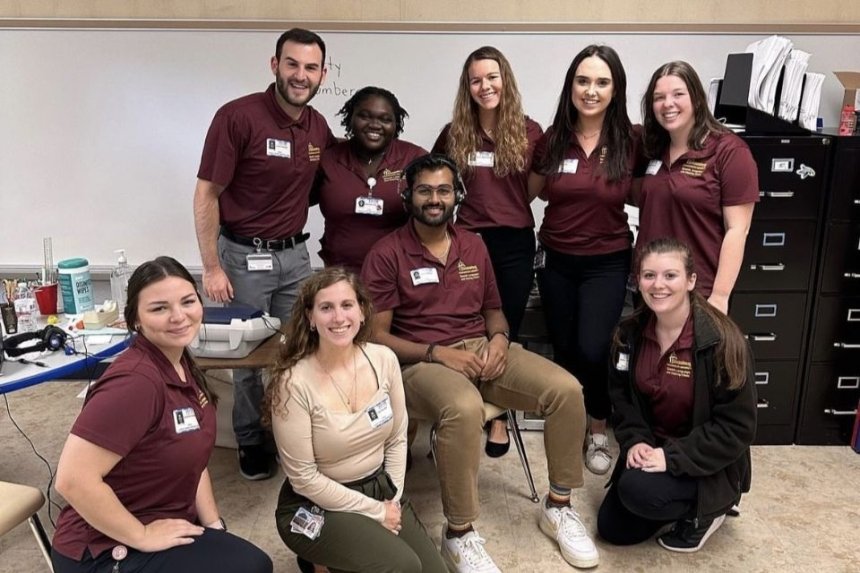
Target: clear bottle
<point>119,281</point>
<point>25,308</point>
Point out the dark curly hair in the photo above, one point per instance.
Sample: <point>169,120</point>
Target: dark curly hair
<point>365,93</point>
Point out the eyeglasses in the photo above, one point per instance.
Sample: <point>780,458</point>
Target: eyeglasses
<point>425,191</point>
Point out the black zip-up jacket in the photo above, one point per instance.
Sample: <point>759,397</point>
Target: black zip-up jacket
<point>717,449</point>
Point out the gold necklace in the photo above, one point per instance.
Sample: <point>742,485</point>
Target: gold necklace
<point>443,258</point>
<point>584,136</point>
<point>341,394</point>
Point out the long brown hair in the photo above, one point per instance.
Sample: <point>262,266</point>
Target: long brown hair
<point>302,342</point>
<point>151,272</point>
<point>656,138</point>
<point>509,135</point>
<point>616,133</point>
<point>732,355</point>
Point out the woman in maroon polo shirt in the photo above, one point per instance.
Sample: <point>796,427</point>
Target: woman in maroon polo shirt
<point>681,381</point>
<point>491,140</point>
<point>583,169</point>
<point>357,181</point>
<point>133,469</point>
<point>701,183</point>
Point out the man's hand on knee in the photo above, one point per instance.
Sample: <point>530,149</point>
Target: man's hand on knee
<point>465,362</point>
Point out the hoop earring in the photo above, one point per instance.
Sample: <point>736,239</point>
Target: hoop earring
<point>313,327</point>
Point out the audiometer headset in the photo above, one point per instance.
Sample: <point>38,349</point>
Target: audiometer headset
<point>49,338</point>
<point>431,162</point>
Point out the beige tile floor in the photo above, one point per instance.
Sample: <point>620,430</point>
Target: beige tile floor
<point>803,513</point>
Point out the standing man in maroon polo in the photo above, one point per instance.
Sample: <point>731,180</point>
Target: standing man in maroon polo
<point>439,309</point>
<point>251,205</point>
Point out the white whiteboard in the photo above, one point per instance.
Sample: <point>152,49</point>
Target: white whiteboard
<point>101,130</point>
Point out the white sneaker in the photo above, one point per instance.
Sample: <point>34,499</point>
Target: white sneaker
<point>598,460</point>
<point>564,526</point>
<point>466,554</point>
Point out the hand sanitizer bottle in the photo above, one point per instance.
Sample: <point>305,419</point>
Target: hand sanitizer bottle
<point>119,281</point>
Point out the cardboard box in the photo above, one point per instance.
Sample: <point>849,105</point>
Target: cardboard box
<point>851,82</point>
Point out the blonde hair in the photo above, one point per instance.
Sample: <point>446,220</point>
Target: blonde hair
<point>464,136</point>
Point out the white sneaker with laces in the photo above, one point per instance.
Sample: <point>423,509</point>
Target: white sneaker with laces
<point>466,554</point>
<point>564,526</point>
<point>598,460</point>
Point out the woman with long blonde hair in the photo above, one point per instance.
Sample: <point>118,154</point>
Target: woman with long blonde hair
<point>338,415</point>
<point>491,140</point>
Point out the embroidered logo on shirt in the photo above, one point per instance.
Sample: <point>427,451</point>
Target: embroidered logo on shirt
<point>202,399</point>
<point>694,168</point>
<point>603,152</point>
<point>677,367</point>
<point>313,152</point>
<point>389,175</point>
<point>468,272</point>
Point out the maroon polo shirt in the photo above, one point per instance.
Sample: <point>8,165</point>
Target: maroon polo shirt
<point>667,381</point>
<point>686,200</point>
<point>131,412</point>
<point>266,163</point>
<point>495,201</point>
<point>585,214</point>
<point>348,235</point>
<point>443,312</point>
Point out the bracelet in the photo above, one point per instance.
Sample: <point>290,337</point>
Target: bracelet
<point>428,357</point>
<point>215,524</point>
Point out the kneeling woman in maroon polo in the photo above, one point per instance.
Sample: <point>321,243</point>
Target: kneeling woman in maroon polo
<point>133,469</point>
<point>681,384</point>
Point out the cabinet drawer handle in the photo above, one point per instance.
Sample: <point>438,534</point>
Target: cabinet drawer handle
<point>766,337</point>
<point>851,275</point>
<point>776,267</point>
<point>846,345</point>
<point>777,194</point>
<point>832,412</point>
<point>857,201</point>
<point>762,403</point>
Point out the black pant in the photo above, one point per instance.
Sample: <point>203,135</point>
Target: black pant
<point>215,550</point>
<point>639,503</point>
<point>512,252</point>
<point>582,298</point>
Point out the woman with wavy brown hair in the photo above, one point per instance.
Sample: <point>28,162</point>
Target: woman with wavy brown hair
<point>681,382</point>
<point>338,415</point>
<point>491,140</point>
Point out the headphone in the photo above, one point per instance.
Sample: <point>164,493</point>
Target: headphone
<point>431,162</point>
<point>49,338</point>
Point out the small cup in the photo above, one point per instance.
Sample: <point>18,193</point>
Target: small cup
<point>46,298</point>
<point>10,319</point>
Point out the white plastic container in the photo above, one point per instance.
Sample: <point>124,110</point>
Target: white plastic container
<point>119,281</point>
<point>76,285</point>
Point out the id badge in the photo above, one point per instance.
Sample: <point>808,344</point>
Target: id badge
<point>424,276</point>
<point>278,148</point>
<point>540,259</point>
<point>623,364</point>
<point>259,262</point>
<point>482,159</point>
<point>653,167</point>
<point>368,205</point>
<point>569,166</point>
<point>308,523</point>
<point>185,420</point>
<point>380,413</point>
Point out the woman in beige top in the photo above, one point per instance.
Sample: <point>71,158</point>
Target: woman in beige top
<point>338,415</point>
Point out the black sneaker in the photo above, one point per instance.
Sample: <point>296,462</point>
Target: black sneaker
<point>688,536</point>
<point>254,462</point>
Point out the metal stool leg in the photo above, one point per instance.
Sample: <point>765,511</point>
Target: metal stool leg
<point>41,539</point>
<point>521,450</point>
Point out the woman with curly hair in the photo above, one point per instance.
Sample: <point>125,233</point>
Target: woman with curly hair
<point>338,414</point>
<point>583,169</point>
<point>357,180</point>
<point>491,140</point>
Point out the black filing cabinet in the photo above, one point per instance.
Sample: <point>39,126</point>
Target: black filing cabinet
<point>832,387</point>
<point>772,298</point>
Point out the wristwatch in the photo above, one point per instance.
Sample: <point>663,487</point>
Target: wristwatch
<point>504,333</point>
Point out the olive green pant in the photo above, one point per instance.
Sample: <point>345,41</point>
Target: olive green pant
<point>351,542</point>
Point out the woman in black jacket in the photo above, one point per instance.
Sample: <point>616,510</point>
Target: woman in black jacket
<point>681,384</point>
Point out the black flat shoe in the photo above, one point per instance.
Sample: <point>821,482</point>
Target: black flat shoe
<point>305,566</point>
<point>495,449</point>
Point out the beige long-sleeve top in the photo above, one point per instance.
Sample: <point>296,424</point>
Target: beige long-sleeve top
<point>321,449</point>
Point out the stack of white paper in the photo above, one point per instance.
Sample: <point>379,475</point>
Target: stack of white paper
<point>713,90</point>
<point>792,82</point>
<point>769,55</point>
<point>810,100</point>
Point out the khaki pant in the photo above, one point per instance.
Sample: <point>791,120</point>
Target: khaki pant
<point>454,403</point>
